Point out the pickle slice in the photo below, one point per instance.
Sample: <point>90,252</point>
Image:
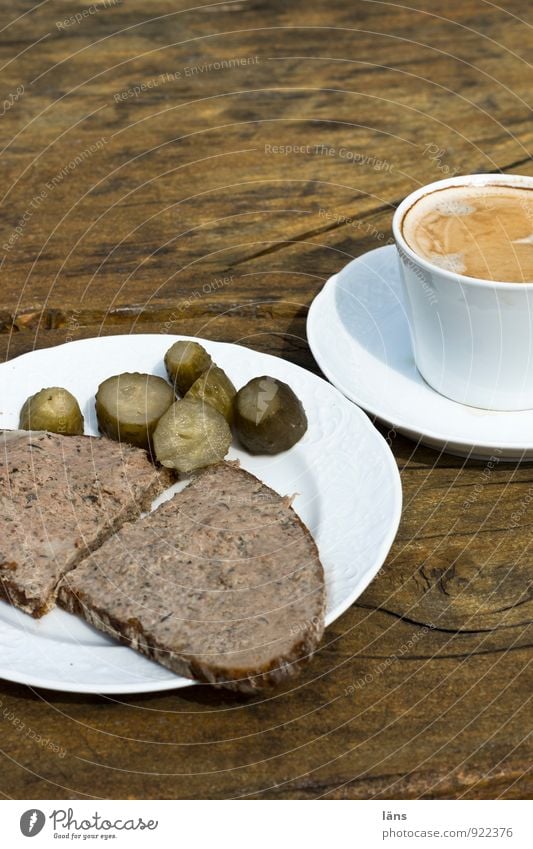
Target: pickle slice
<point>54,409</point>
<point>191,435</point>
<point>215,388</point>
<point>129,405</point>
<point>268,416</point>
<point>185,362</point>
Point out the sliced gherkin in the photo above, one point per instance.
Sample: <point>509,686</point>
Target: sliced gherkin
<point>54,409</point>
<point>191,435</point>
<point>129,405</point>
<point>185,362</point>
<point>215,388</point>
<point>268,416</point>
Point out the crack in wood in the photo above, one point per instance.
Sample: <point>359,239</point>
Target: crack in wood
<point>416,784</point>
<point>51,318</point>
<point>437,656</point>
<point>309,234</point>
<point>438,628</point>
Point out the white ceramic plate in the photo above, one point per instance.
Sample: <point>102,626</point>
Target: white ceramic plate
<point>358,333</point>
<point>349,496</point>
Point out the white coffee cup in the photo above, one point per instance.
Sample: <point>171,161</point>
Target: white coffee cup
<point>472,339</point>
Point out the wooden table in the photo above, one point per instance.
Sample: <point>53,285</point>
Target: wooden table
<point>204,171</point>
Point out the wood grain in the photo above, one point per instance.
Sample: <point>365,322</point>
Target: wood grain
<point>265,145</point>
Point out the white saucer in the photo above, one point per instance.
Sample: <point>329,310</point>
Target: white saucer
<point>358,333</point>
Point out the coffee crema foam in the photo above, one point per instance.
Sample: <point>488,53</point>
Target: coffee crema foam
<point>479,231</point>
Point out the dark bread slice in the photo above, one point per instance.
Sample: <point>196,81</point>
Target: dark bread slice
<point>61,497</point>
<point>222,584</point>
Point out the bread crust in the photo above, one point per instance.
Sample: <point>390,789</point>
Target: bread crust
<point>235,602</point>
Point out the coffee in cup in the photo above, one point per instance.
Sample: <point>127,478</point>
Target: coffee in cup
<point>479,231</point>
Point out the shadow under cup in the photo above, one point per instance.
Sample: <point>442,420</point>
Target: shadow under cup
<point>472,339</point>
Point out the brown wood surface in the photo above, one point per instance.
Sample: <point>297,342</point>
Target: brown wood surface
<point>179,215</point>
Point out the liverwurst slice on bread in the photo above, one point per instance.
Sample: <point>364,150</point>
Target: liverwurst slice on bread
<point>222,584</point>
<point>61,497</point>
